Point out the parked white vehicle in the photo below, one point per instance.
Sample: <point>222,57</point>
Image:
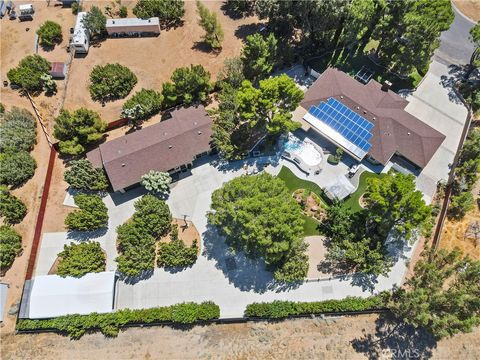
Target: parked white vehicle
<point>26,12</point>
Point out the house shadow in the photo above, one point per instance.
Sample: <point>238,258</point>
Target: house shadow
<point>251,164</point>
<point>119,198</point>
<point>243,272</point>
<point>395,339</point>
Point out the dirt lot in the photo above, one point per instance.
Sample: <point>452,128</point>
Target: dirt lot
<point>341,338</point>
<point>153,59</point>
<point>470,8</point>
<point>453,232</point>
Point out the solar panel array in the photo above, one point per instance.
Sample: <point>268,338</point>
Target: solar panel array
<point>353,127</point>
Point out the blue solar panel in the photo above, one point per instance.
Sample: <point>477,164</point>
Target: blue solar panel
<point>348,123</point>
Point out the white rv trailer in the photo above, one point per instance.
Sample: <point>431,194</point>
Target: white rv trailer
<point>26,12</point>
<point>81,36</point>
<point>133,27</point>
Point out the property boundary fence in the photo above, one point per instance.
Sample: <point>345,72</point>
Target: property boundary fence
<point>451,175</point>
<point>41,213</point>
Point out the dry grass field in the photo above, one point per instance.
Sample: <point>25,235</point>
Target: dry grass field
<point>470,8</point>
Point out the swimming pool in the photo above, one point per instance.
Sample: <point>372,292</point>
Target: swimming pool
<point>304,153</point>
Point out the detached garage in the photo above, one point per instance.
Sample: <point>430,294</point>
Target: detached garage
<point>49,296</point>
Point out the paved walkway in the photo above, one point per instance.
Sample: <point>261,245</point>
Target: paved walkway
<point>232,280</point>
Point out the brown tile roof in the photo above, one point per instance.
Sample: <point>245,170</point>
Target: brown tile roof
<point>163,146</point>
<point>395,130</point>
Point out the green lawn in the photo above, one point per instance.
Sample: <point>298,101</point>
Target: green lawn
<point>294,183</point>
<point>351,63</point>
<point>352,200</point>
<point>310,227</point>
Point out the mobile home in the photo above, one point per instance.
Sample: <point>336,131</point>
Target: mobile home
<point>133,27</point>
<point>81,36</point>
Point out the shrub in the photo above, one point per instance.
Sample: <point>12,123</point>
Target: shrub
<point>136,238</point>
<point>157,182</point>
<point>188,85</point>
<point>175,253</point>
<point>49,85</point>
<point>77,130</point>
<point>109,324</point>
<point>76,8</point>
<point>142,105</point>
<point>281,309</point>
<point>17,130</point>
<point>82,175</point>
<point>28,73</point>
<point>50,33</point>
<point>17,167</point>
<point>10,246</point>
<point>209,22</point>
<point>123,11</point>
<point>80,259</point>
<point>170,12</point>
<point>93,213</point>
<point>461,204</point>
<point>11,208</point>
<point>95,21</point>
<point>110,82</point>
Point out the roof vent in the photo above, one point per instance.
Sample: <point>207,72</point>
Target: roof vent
<point>341,96</point>
<point>364,111</point>
<point>123,164</point>
<point>374,118</point>
<point>170,146</point>
<point>358,107</point>
<point>386,85</point>
<point>199,132</point>
<point>409,133</point>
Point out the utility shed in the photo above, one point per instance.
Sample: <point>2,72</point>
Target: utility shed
<point>58,70</point>
<point>49,296</point>
<point>132,26</point>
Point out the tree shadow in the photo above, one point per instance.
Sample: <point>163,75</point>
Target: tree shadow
<point>455,74</point>
<point>233,13</point>
<point>87,235</point>
<point>243,272</point>
<point>132,280</point>
<point>249,29</point>
<point>205,48</point>
<point>395,339</point>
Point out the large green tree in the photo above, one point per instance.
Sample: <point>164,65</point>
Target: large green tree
<point>50,33</point>
<point>77,130</point>
<point>442,296</point>
<point>393,204</point>
<point>170,12</point>
<point>187,85</point>
<point>10,246</point>
<point>92,213</point>
<point>81,175</point>
<point>79,259</point>
<point>111,82</point>
<point>259,56</point>
<point>28,74</point>
<point>213,29</point>
<point>95,21</point>
<point>142,105</point>
<point>17,130</point>
<point>258,215</point>
<point>152,215</point>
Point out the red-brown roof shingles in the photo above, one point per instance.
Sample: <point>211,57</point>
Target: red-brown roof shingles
<point>161,147</point>
<point>395,130</point>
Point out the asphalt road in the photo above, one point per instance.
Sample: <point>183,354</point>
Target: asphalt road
<point>455,45</point>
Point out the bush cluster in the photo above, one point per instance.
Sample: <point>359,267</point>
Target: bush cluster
<point>28,73</point>
<point>10,246</point>
<point>17,130</point>
<point>170,12</point>
<point>93,213</point>
<point>281,309</point>
<point>110,82</point>
<point>50,33</point>
<point>176,253</point>
<point>142,105</point>
<point>80,259</point>
<point>12,209</point>
<point>109,324</point>
<point>82,175</point>
<point>17,167</point>
<point>137,237</point>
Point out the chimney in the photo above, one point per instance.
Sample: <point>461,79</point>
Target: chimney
<point>386,85</point>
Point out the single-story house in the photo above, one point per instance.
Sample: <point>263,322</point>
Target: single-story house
<point>368,121</point>
<point>169,146</point>
<point>49,296</point>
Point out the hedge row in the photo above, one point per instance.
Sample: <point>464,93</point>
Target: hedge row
<point>109,324</point>
<point>281,309</point>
